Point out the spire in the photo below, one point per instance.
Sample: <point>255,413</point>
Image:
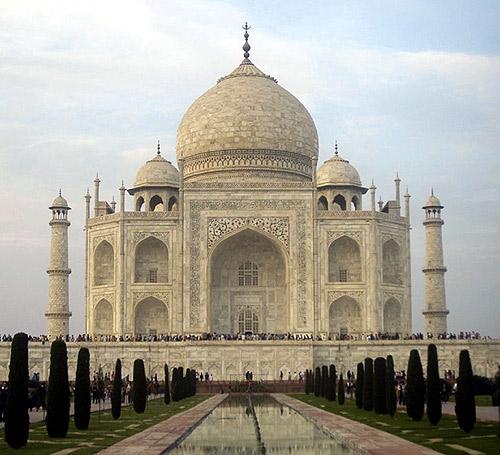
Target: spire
<point>158,148</point>
<point>59,191</point>
<point>246,46</point>
<point>432,191</point>
<point>336,148</point>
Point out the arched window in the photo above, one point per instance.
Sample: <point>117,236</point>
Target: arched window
<point>248,322</point>
<point>139,204</point>
<point>391,258</point>
<point>339,202</point>
<point>248,274</point>
<point>344,260</point>
<point>156,204</point>
<point>103,264</point>
<point>322,203</point>
<point>355,203</point>
<point>172,204</point>
<point>151,261</point>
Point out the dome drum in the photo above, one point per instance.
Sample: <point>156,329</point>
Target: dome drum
<point>250,161</point>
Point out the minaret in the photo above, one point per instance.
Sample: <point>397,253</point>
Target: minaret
<point>435,311</point>
<point>58,313</point>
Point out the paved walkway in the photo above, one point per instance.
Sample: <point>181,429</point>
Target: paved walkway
<point>357,436</point>
<point>483,413</point>
<point>162,436</point>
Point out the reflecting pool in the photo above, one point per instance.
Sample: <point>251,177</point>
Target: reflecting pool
<point>257,424</point>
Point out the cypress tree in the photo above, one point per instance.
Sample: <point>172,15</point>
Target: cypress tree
<point>175,389</point>
<point>82,390</point>
<point>116,392</point>
<point>16,409</point>
<point>324,381</point>
<point>331,385</point>
<point>368,385</point>
<point>317,382</point>
<point>181,383</point>
<point>390,392</point>
<point>140,387</point>
<point>465,402</point>
<point>306,382</point>
<point>57,419</point>
<point>360,375</point>
<point>433,386</point>
<point>334,383</point>
<point>341,390</point>
<point>379,386</point>
<point>166,394</point>
<point>415,387</point>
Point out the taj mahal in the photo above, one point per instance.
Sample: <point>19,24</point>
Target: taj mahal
<point>249,234</point>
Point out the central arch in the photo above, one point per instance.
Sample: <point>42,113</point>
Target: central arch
<point>345,317</point>
<point>247,276</point>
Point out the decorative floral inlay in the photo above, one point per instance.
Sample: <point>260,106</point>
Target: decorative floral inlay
<point>219,227</point>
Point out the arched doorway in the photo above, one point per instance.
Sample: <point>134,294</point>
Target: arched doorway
<point>248,290</point>
<point>344,260</point>
<point>103,264</point>
<point>151,317</point>
<point>392,316</point>
<point>103,318</point>
<point>391,257</point>
<point>345,317</point>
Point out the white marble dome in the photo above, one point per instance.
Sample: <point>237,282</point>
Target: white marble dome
<point>247,112</point>
<point>157,172</point>
<point>337,171</point>
<point>60,202</point>
<point>433,201</point>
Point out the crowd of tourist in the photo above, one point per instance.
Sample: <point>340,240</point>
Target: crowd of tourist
<point>214,336</point>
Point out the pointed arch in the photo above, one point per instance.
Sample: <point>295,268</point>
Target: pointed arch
<point>151,261</point>
<point>103,318</point>
<point>392,316</point>
<point>322,203</point>
<point>104,264</point>
<point>344,260</point>
<point>355,203</point>
<point>172,204</point>
<point>345,317</point>
<point>151,317</point>
<point>156,204</point>
<point>267,299</point>
<point>391,260</point>
<point>339,202</point>
<point>139,204</point>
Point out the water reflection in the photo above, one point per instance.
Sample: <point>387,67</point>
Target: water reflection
<point>233,428</point>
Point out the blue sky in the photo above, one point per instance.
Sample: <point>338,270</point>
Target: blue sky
<point>404,86</point>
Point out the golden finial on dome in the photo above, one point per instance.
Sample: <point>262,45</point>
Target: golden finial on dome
<point>158,148</point>
<point>246,46</point>
<point>336,148</point>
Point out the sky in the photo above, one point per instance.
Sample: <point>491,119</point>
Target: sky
<point>403,86</point>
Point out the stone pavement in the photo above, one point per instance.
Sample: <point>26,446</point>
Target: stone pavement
<point>483,413</point>
<point>357,436</point>
<point>158,438</point>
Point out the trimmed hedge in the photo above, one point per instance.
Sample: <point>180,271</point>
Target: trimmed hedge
<point>82,390</point>
<point>390,389</point>
<point>433,386</point>
<point>57,419</point>
<point>116,392</point>
<point>415,387</point>
<point>166,394</point>
<point>341,390</point>
<point>368,385</point>
<point>16,409</point>
<point>379,386</point>
<point>360,375</point>
<point>140,387</point>
<point>465,402</point>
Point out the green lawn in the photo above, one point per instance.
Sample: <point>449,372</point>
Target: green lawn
<point>484,437</point>
<point>103,429</point>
